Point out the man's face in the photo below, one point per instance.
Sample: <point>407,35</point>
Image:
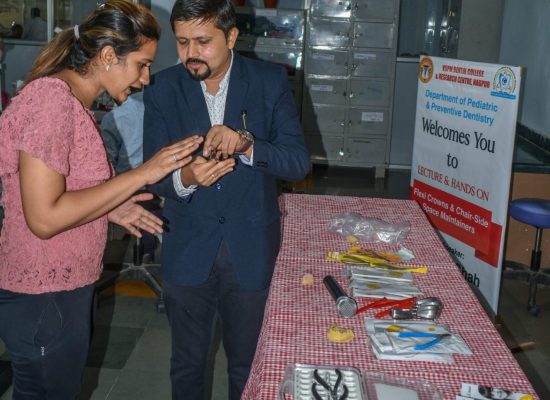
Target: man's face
<point>203,48</point>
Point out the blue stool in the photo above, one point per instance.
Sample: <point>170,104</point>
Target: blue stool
<point>534,212</point>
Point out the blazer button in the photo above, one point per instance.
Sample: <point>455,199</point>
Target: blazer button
<point>219,185</point>
<point>222,220</point>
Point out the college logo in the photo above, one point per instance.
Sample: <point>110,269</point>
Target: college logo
<point>425,70</point>
<point>504,83</point>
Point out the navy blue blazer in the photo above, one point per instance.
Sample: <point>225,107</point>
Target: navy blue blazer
<point>241,208</point>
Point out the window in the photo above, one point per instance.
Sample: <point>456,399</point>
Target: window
<point>28,19</point>
<point>24,19</point>
<point>429,27</point>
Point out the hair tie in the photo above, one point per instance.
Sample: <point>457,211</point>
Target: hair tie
<point>76,33</point>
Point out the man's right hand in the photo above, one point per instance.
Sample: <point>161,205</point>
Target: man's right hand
<point>169,159</point>
<point>205,172</point>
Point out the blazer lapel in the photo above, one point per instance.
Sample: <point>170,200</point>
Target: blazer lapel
<point>237,93</point>
<point>197,119</point>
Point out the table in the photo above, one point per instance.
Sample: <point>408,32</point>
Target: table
<point>297,317</point>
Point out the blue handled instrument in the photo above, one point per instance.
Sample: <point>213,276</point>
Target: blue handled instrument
<point>431,343</point>
<point>419,334</point>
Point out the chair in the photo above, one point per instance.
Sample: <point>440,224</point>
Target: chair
<point>534,212</point>
<point>138,269</point>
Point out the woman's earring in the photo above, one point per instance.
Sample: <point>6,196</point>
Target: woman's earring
<point>108,67</point>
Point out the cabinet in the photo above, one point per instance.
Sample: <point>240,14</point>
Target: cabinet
<point>349,70</point>
<point>274,35</point>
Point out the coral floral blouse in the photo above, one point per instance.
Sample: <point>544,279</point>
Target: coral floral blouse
<point>46,121</point>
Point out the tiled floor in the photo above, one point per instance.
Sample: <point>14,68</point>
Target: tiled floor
<point>130,351</point>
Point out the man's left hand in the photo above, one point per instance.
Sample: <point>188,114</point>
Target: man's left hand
<point>222,142</point>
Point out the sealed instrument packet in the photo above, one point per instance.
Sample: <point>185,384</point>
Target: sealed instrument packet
<point>470,391</point>
<point>320,382</point>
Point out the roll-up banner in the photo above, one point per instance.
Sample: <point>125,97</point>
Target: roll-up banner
<point>462,160</point>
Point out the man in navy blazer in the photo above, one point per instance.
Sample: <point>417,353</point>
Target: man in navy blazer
<point>223,221</point>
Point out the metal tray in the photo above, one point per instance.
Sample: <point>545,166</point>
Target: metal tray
<point>300,381</point>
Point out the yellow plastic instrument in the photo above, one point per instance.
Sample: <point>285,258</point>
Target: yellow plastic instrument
<point>368,261</point>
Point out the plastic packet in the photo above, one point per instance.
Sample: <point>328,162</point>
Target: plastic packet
<point>369,229</point>
<point>380,386</point>
<point>301,380</point>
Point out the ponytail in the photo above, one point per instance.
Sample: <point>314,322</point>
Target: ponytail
<point>54,57</point>
<point>121,24</point>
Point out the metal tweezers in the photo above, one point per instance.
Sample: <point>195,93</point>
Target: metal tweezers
<point>332,391</point>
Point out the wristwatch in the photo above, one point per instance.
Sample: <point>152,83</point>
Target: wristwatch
<point>247,138</point>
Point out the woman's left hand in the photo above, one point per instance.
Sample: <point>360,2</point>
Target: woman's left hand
<point>132,216</point>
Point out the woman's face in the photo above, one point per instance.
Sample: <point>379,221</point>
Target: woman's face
<point>131,71</point>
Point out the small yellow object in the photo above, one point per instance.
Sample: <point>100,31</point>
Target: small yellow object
<point>374,286</point>
<point>375,254</point>
<point>307,279</point>
<point>365,261</point>
<point>527,397</point>
<point>352,239</point>
<point>337,334</point>
<point>398,328</point>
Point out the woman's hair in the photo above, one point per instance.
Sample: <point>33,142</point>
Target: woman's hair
<point>118,23</point>
<point>222,12</point>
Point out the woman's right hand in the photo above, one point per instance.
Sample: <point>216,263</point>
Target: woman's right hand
<point>170,158</point>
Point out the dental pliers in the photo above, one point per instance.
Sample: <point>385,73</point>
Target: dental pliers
<point>332,391</point>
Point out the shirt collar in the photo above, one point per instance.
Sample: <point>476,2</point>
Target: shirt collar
<point>225,80</point>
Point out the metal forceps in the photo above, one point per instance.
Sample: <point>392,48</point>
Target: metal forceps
<point>332,391</point>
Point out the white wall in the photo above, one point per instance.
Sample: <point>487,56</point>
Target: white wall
<point>166,51</point>
<point>526,42</point>
<point>480,30</point>
<point>17,62</point>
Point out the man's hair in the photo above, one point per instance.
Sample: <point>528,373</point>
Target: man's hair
<point>35,12</point>
<point>222,12</point>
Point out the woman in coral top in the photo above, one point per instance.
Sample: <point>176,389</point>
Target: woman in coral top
<point>59,193</point>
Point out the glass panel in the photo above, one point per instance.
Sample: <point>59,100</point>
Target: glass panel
<point>27,19</point>
<point>429,27</point>
<point>23,19</point>
<point>70,12</point>
<point>62,15</point>
<point>270,26</point>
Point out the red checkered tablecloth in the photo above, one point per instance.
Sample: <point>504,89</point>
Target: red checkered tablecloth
<point>297,317</point>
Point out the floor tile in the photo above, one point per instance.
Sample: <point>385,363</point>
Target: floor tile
<point>141,385</point>
<point>152,352</point>
<point>98,383</point>
<point>218,380</point>
<point>522,328</point>
<point>135,312</point>
<point>158,321</point>
<point>7,394</point>
<point>220,385</point>
<point>112,345</point>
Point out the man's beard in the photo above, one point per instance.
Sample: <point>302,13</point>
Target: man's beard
<point>196,75</point>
